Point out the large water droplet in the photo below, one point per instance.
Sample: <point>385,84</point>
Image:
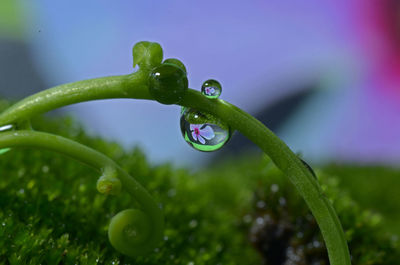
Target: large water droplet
<point>6,128</point>
<point>203,131</point>
<point>168,83</point>
<point>211,88</point>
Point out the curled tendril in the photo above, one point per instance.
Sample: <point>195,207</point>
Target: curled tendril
<point>130,232</point>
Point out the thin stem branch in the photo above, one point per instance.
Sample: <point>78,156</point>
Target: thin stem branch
<point>71,93</point>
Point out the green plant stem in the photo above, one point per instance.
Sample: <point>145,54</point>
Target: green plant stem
<point>95,160</point>
<point>86,90</point>
<point>288,163</point>
<point>135,86</point>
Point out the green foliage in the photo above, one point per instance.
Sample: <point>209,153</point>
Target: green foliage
<point>51,212</point>
<point>283,230</point>
<point>373,187</point>
<point>147,54</point>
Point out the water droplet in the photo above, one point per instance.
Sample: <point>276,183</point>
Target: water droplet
<point>193,223</point>
<point>175,62</point>
<point>260,220</point>
<point>45,169</point>
<point>309,168</point>
<point>316,244</point>
<point>211,88</point>
<point>168,84</point>
<point>274,187</point>
<point>203,131</point>
<point>261,204</point>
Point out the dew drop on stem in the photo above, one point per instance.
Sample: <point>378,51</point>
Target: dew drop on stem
<point>211,88</point>
<point>309,168</point>
<point>203,131</point>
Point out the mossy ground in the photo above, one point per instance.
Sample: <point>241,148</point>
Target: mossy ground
<point>242,211</point>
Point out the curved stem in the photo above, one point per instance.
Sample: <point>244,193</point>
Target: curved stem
<point>86,90</point>
<point>135,86</point>
<point>288,163</point>
<point>94,159</point>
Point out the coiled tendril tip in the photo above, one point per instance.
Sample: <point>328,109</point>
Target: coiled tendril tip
<point>130,233</point>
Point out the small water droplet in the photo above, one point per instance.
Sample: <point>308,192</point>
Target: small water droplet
<point>316,244</point>
<point>211,88</point>
<point>260,220</point>
<point>203,131</point>
<point>45,169</point>
<point>282,201</point>
<point>309,168</point>
<point>261,204</point>
<point>274,187</point>
<point>193,223</point>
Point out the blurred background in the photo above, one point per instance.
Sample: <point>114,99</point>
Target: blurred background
<point>323,75</point>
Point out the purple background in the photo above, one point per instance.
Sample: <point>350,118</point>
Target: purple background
<point>259,50</point>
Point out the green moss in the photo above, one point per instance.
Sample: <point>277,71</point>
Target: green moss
<point>51,212</point>
<point>373,187</point>
<point>283,230</point>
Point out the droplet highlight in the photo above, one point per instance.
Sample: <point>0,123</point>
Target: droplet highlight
<point>211,88</point>
<point>6,128</point>
<point>203,131</point>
